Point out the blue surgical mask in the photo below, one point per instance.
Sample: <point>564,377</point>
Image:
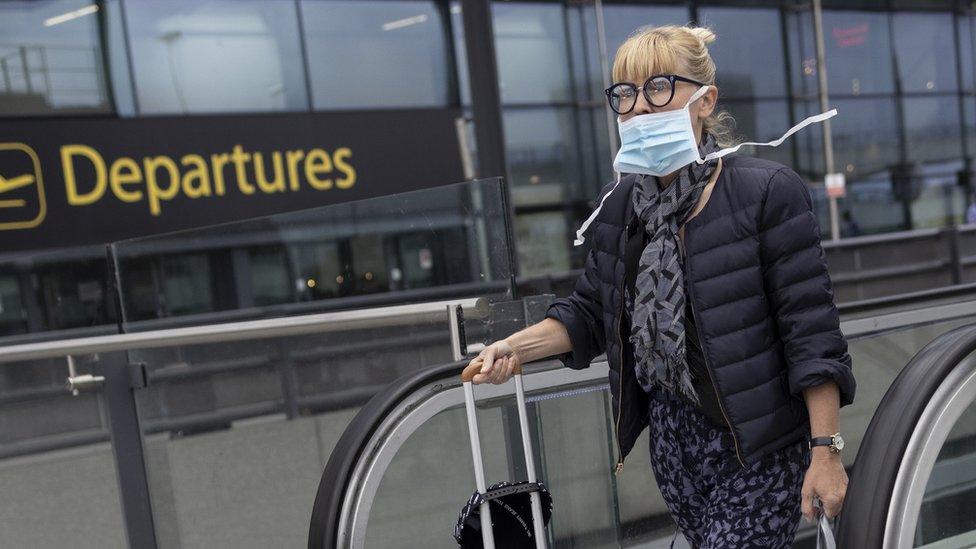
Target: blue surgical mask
<point>658,143</point>
<point>662,142</point>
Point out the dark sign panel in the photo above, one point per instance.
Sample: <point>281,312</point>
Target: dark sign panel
<point>66,182</point>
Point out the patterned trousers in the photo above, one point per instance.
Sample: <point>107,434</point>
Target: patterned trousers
<point>714,501</point>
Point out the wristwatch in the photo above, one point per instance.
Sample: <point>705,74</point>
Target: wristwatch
<point>835,443</point>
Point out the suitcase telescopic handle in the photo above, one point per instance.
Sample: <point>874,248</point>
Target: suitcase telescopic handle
<point>471,369</point>
<point>467,375</point>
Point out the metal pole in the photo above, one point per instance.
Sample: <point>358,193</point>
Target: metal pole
<point>485,96</point>
<point>601,34</point>
<point>26,67</point>
<point>486,109</point>
<point>6,75</point>
<point>827,142</point>
<point>127,447</point>
<point>487,534</point>
<point>534,497</point>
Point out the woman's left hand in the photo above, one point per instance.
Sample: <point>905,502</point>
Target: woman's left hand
<point>825,479</point>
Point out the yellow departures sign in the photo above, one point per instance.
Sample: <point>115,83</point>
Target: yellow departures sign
<point>158,179</point>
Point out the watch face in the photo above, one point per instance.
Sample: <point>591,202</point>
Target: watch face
<point>838,442</point>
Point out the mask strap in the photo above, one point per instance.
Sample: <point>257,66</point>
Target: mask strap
<point>806,122</point>
<point>697,95</point>
<point>586,224</point>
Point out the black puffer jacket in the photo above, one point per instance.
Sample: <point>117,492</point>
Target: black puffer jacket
<point>761,295</point>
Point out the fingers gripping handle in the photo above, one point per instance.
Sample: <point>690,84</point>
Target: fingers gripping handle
<point>825,536</point>
<point>475,367</point>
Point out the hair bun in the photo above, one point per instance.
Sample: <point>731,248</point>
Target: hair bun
<point>704,34</point>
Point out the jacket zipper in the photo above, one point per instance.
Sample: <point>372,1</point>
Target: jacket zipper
<point>620,399</point>
<point>708,368</point>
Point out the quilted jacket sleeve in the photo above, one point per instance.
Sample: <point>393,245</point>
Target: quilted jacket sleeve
<point>582,315</point>
<point>799,289</point>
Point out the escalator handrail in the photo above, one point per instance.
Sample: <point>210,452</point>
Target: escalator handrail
<point>862,520</point>
<point>919,297</point>
<point>324,527</point>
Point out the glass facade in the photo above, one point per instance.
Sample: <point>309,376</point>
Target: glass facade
<point>50,63</point>
<point>902,76</point>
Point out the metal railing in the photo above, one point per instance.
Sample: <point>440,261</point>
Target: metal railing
<point>234,331</point>
<point>27,69</point>
<point>280,358</point>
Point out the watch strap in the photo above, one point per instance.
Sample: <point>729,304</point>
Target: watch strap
<point>821,441</point>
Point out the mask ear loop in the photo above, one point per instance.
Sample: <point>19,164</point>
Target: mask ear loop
<point>586,224</point>
<point>775,143</point>
<point>697,95</point>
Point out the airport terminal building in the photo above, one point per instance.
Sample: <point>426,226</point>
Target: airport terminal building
<point>255,214</point>
<point>150,117</point>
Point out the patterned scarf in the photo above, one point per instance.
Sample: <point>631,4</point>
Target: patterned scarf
<point>658,319</point>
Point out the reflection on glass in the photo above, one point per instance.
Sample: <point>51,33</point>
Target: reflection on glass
<point>186,284</point>
<point>740,33</point>
<point>55,455</point>
<point>947,514</point>
<point>808,143</point>
<point>75,296</point>
<point>869,207</point>
<point>925,51</point>
<point>460,53</point>
<point>762,121</point>
<point>932,128</point>
<point>966,50</point>
<point>13,314</point>
<point>969,123</point>
<point>376,54</point>
<point>940,200</point>
<point>530,44</point>
<point>865,135</point>
<point>543,243</point>
<point>803,53</point>
<point>541,154</point>
<point>436,243</point>
<point>270,282</point>
<point>51,59</point>
<point>118,59</point>
<point>193,56</point>
<point>602,128</point>
<point>620,21</point>
<point>320,272</point>
<point>857,49</point>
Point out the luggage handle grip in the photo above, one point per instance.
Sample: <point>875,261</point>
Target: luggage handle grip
<point>475,367</point>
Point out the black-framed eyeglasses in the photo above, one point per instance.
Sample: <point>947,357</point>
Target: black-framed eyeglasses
<point>658,91</point>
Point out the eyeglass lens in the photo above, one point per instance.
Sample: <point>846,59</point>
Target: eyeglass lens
<point>657,91</point>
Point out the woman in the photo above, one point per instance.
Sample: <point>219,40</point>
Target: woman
<point>707,288</point>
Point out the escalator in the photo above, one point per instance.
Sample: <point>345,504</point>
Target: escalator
<point>401,471</point>
<point>914,479</point>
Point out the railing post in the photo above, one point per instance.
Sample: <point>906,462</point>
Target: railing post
<point>26,68</point>
<point>289,381</point>
<point>127,447</point>
<point>954,253</point>
<point>5,70</point>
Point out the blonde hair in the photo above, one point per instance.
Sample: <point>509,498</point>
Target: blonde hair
<point>674,49</point>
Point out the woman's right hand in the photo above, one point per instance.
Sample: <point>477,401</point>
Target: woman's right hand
<point>498,362</point>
